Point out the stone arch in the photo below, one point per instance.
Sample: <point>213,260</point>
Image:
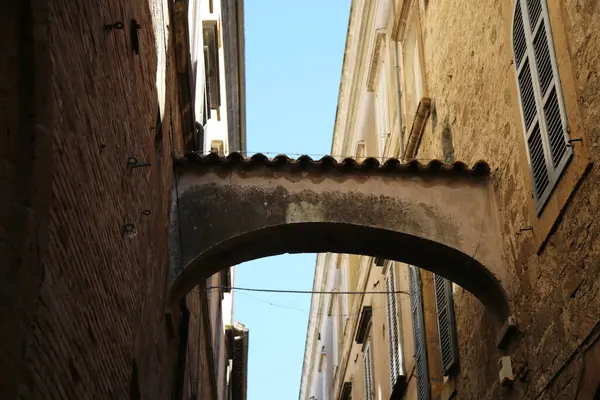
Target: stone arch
<point>440,218</point>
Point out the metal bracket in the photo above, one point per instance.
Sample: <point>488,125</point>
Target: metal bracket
<point>520,231</point>
<point>108,28</point>
<point>116,25</point>
<point>132,162</point>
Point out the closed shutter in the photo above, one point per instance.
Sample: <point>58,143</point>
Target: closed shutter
<point>540,96</point>
<point>446,324</point>
<point>416,305</point>
<point>211,40</point>
<point>346,391</point>
<point>208,106</point>
<point>368,372</point>
<point>394,334</point>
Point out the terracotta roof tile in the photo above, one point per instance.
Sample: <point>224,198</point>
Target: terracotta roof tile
<point>328,163</point>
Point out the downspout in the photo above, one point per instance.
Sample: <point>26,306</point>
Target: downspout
<point>182,351</point>
<point>398,88</point>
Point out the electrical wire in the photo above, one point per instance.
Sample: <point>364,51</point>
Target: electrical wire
<point>317,314</point>
<point>300,291</point>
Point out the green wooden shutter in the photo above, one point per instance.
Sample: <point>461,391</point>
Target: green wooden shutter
<point>540,96</point>
<point>416,305</point>
<point>446,324</point>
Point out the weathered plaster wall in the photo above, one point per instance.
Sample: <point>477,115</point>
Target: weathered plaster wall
<point>225,215</point>
<point>470,76</point>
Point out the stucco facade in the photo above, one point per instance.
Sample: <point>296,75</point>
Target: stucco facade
<point>451,91</point>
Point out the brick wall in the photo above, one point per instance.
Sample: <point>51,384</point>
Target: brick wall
<point>83,305</point>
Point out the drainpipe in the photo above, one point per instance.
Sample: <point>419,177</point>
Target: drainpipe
<point>179,387</point>
<point>398,88</point>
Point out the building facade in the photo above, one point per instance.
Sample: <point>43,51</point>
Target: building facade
<point>514,83</point>
<point>216,38</point>
<point>97,101</point>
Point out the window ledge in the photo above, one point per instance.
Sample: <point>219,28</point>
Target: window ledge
<point>549,219</point>
<point>417,128</point>
<point>448,390</point>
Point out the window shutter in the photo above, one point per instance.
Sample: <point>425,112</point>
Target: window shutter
<point>208,106</point>
<point>446,324</point>
<point>394,334</point>
<point>540,95</point>
<point>416,305</point>
<point>346,391</point>
<point>211,39</point>
<point>368,373</point>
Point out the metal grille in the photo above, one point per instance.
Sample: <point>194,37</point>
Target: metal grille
<point>395,349</point>
<point>416,305</point>
<point>446,324</point>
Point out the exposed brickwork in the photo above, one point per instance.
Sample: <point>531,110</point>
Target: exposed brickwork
<point>81,301</point>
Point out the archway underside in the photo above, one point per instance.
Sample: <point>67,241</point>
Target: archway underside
<point>231,210</point>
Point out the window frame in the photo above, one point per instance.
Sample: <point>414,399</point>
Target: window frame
<point>546,222</point>
<point>412,65</point>
<point>540,119</point>
<point>368,361</point>
<point>419,336</point>
<point>444,305</point>
<point>391,287</point>
<point>381,109</point>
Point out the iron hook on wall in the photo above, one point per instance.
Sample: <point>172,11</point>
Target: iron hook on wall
<point>135,39</point>
<point>116,25</point>
<point>132,162</point>
<point>108,28</point>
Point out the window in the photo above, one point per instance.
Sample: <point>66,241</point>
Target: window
<point>394,330</point>
<point>411,60</point>
<point>211,57</point>
<point>446,324</point>
<point>344,287</point>
<point>368,362</point>
<point>346,391</point>
<point>337,317</point>
<point>382,117</point>
<point>216,146</point>
<point>418,320</point>
<point>360,151</point>
<point>540,97</point>
<point>324,380</point>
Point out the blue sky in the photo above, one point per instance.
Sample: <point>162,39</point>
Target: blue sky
<point>294,52</point>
